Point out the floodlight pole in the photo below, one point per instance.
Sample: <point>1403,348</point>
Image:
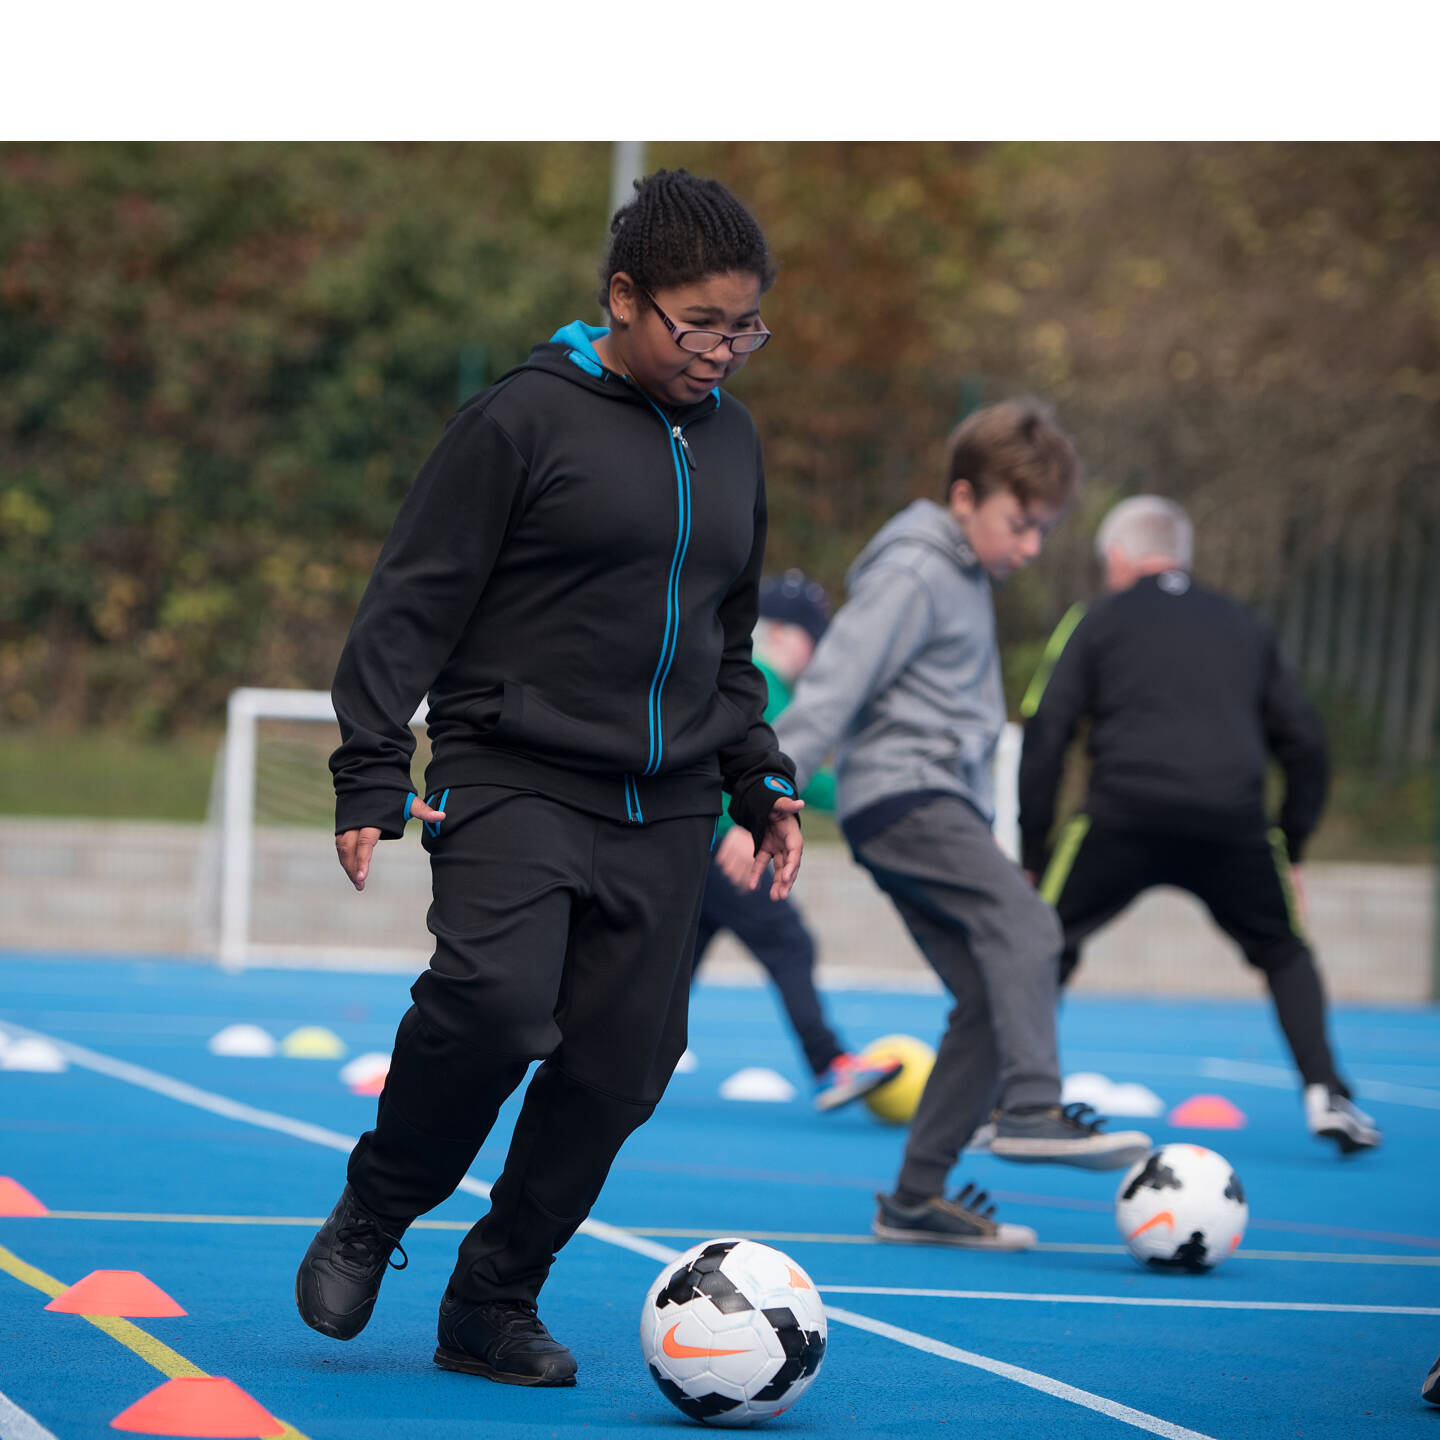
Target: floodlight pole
<point>627,165</point>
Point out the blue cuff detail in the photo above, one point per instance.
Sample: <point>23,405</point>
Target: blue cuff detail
<point>433,826</point>
<point>783,787</point>
<point>409,801</point>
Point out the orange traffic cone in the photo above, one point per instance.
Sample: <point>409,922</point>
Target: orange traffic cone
<point>115,1292</point>
<point>206,1406</point>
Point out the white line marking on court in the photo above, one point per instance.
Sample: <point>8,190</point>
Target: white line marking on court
<point>18,1424</point>
<point>1277,1077</point>
<point>284,1125</point>
<point>598,1229</point>
<point>1153,1301</point>
<point>1138,1418</point>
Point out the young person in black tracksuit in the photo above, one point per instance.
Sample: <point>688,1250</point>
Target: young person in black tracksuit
<point>572,580</point>
<point>1186,696</point>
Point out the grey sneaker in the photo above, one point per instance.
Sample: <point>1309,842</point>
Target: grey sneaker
<point>1063,1135</point>
<point>1332,1117</point>
<point>967,1220</point>
<point>1430,1390</point>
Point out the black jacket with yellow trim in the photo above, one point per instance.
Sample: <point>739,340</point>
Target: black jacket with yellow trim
<point>1187,698</point>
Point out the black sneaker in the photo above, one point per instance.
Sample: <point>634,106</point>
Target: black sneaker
<point>502,1340</point>
<point>1332,1117</point>
<point>1065,1136</point>
<point>1430,1390</point>
<point>340,1276</point>
<point>966,1221</point>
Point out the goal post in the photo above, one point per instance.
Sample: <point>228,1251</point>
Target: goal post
<point>1007,789</point>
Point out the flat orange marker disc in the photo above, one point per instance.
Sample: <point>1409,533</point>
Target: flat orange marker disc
<point>210,1407</point>
<point>115,1292</point>
<point>15,1199</point>
<point>1207,1112</point>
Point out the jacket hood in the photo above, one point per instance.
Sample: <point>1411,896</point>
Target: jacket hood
<point>570,353</point>
<point>924,523</point>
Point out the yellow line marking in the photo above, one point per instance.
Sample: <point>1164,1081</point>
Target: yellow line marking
<point>312,1222</point>
<point>170,1363</point>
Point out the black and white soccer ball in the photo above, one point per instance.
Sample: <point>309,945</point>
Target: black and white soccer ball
<point>733,1332</point>
<point>1181,1208</point>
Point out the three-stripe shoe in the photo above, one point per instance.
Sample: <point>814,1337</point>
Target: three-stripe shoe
<point>1065,1135</point>
<point>1332,1117</point>
<point>502,1340</point>
<point>967,1220</point>
<point>340,1276</point>
<point>848,1077</point>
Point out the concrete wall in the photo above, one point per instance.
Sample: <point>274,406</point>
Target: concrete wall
<point>126,887</point>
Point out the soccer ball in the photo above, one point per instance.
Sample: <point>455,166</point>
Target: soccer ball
<point>1181,1208</point>
<point>733,1332</point>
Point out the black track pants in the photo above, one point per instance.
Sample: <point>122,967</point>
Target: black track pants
<point>559,937</point>
<point>1245,884</point>
<point>775,932</point>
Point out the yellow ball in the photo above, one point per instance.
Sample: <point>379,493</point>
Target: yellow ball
<point>896,1099</point>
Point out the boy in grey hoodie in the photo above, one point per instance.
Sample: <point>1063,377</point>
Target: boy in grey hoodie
<point>905,688</point>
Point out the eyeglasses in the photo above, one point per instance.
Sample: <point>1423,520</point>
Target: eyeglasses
<point>701,342</point>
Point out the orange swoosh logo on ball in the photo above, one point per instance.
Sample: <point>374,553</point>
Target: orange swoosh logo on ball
<point>676,1351</point>
<point>1163,1218</point>
<point>798,1280</point>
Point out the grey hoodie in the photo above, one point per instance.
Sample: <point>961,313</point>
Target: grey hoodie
<point>905,686</point>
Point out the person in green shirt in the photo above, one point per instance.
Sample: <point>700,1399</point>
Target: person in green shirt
<point>794,611</point>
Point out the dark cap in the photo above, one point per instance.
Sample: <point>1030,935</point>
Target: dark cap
<point>796,599</point>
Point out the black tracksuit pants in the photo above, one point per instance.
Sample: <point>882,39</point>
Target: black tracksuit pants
<point>775,932</point>
<point>1098,870</point>
<point>562,937</point>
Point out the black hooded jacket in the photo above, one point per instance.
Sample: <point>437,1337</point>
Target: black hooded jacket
<point>572,578</point>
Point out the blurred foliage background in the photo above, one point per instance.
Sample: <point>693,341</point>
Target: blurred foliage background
<point>220,366</point>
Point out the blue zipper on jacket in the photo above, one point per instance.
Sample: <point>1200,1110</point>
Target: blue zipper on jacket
<point>670,641</point>
<point>633,812</point>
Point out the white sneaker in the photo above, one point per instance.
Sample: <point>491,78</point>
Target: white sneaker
<point>1333,1117</point>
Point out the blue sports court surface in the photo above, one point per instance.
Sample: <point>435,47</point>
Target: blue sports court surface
<point>208,1174</point>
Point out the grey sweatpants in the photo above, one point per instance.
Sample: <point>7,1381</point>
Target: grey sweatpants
<point>996,946</point>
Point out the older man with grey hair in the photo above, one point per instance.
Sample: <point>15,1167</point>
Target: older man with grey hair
<point>1186,697</point>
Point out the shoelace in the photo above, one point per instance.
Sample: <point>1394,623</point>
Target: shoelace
<point>519,1318</point>
<point>1075,1115</point>
<point>975,1202</point>
<point>358,1239</point>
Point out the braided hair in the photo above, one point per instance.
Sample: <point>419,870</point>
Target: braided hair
<point>679,229</point>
